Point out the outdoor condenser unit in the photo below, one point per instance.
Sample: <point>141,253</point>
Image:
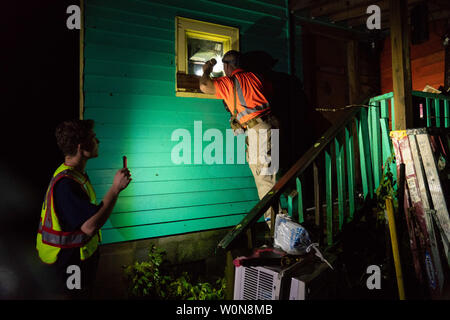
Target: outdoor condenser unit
<point>312,281</point>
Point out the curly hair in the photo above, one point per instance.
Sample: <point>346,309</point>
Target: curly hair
<point>71,133</point>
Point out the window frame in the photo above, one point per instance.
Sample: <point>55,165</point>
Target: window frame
<point>189,28</point>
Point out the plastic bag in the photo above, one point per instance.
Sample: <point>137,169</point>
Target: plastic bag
<point>290,236</point>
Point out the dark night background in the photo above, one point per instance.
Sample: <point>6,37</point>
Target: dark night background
<point>40,73</point>
<point>39,68</point>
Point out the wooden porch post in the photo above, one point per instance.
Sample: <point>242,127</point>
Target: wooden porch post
<point>229,276</point>
<point>401,64</point>
<point>81,82</point>
<point>352,71</point>
<point>447,62</point>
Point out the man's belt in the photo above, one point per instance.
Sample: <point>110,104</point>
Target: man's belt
<point>253,122</point>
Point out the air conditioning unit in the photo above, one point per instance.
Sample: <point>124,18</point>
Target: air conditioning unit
<point>314,280</point>
<point>256,283</point>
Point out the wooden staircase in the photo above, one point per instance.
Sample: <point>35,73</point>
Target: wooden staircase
<point>335,178</point>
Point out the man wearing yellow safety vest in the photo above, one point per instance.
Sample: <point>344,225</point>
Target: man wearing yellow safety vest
<point>246,96</point>
<point>70,222</point>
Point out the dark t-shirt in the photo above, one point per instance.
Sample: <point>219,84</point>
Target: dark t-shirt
<point>73,207</point>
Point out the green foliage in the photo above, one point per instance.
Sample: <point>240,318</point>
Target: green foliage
<point>145,277</point>
<point>386,189</point>
<point>182,288</point>
<point>146,280</point>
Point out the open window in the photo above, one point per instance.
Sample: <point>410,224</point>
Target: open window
<point>196,43</point>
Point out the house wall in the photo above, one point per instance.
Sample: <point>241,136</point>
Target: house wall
<point>129,86</point>
<point>427,61</point>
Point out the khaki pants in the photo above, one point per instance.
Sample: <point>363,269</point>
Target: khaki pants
<point>263,157</point>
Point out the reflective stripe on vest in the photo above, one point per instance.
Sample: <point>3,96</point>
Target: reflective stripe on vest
<point>62,239</point>
<point>246,110</point>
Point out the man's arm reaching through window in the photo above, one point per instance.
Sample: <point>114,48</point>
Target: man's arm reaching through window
<point>206,84</point>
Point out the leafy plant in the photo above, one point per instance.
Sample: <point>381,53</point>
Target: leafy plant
<point>147,280</point>
<point>182,288</point>
<point>145,277</point>
<point>386,189</point>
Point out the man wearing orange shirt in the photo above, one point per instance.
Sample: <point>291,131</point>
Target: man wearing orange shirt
<point>247,98</point>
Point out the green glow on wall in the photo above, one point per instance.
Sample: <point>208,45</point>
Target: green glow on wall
<point>129,85</point>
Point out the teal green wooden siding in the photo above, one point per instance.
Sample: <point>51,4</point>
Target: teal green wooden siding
<point>129,84</point>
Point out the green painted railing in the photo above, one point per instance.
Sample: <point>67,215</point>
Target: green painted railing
<point>336,170</point>
<point>429,110</point>
<point>335,149</point>
<point>436,109</point>
<point>379,128</point>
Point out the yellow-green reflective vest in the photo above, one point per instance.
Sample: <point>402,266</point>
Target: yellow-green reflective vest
<point>50,238</point>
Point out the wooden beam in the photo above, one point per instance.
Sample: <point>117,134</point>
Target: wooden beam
<point>352,72</point>
<point>433,15</point>
<point>317,200</point>
<point>298,5</point>
<point>81,79</point>
<point>329,30</point>
<point>360,11</point>
<point>385,16</point>
<point>357,12</point>
<point>363,20</point>
<point>447,61</point>
<point>401,64</point>
<point>229,276</point>
<point>336,7</point>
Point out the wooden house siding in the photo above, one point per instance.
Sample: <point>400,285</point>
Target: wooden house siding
<point>129,90</point>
